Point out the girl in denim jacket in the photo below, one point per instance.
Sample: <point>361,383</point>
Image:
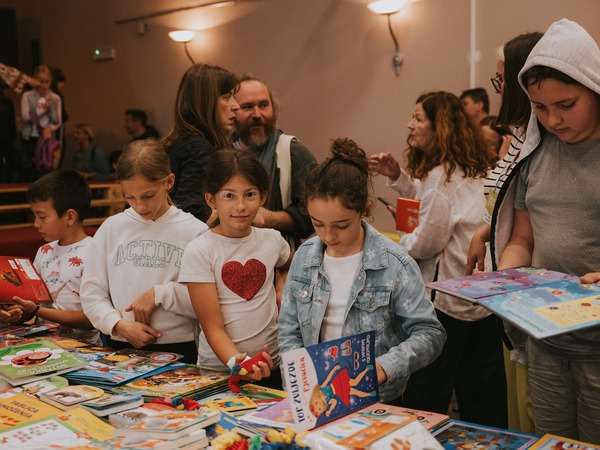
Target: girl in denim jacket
<point>351,279</point>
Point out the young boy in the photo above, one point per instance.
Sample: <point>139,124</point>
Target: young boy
<point>556,215</point>
<point>59,201</point>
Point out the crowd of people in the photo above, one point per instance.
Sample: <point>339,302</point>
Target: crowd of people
<point>214,257</point>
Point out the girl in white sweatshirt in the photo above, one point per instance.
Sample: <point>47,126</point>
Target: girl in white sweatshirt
<point>130,290</point>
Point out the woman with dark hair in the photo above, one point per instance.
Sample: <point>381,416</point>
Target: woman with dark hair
<point>448,161</point>
<point>204,119</point>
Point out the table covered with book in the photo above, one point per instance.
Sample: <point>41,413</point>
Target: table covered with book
<point>58,392</point>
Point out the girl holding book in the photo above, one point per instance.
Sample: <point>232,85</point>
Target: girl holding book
<point>230,270</point>
<point>130,287</point>
<point>351,279</point>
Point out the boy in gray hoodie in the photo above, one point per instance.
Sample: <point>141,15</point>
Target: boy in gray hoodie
<point>553,198</point>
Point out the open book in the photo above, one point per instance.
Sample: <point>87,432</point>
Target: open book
<point>18,277</point>
<point>541,302</point>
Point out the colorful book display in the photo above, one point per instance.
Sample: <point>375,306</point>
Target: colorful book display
<point>111,404</point>
<point>33,361</point>
<point>19,278</point>
<point>457,434</point>
<point>186,380</point>
<point>330,379</point>
<point>541,302</point>
<point>121,367</point>
<point>407,214</point>
<point>17,408</point>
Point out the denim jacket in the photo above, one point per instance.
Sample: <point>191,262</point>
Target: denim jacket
<point>387,295</point>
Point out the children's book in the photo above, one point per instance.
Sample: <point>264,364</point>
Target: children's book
<point>553,442</point>
<point>73,428</point>
<point>19,278</point>
<point>227,422</point>
<point>428,419</point>
<point>71,396</point>
<point>17,408</point>
<point>541,302</point>
<point>126,418</point>
<point>16,331</point>
<point>458,434</point>
<point>412,436</point>
<point>186,380</point>
<point>121,367</point>
<point>193,439</point>
<point>30,362</point>
<point>331,379</point>
<point>237,404</point>
<point>170,425</point>
<point>358,430</point>
<point>278,415</point>
<point>262,394</point>
<point>35,388</point>
<point>111,404</point>
<point>407,214</point>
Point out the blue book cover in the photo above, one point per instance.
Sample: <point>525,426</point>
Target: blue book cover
<point>457,434</point>
<point>331,379</point>
<point>541,302</point>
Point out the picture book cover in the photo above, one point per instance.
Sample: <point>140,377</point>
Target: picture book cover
<point>330,379</point>
<point>226,423</point>
<point>111,404</point>
<point>17,408</point>
<point>407,214</point>
<point>16,331</point>
<point>170,424</point>
<point>379,411</point>
<point>232,405</point>
<point>485,284</point>
<point>260,394</point>
<point>539,307</point>
<point>35,388</point>
<point>457,434</point>
<point>359,429</point>
<point>29,362</point>
<point>71,396</point>
<point>19,277</point>
<point>194,439</point>
<point>126,418</point>
<point>181,379</point>
<point>121,367</point>
<point>412,436</point>
<point>553,442</point>
<point>72,428</point>
<point>278,415</point>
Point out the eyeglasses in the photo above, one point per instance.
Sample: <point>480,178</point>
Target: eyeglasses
<point>497,82</point>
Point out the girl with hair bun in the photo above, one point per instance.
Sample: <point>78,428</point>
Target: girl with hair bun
<point>351,279</point>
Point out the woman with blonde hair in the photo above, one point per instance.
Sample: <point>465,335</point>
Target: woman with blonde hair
<point>447,163</point>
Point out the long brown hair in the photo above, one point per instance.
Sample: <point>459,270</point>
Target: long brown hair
<point>457,141</point>
<point>197,105</point>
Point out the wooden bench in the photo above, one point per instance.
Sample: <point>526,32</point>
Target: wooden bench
<point>18,237</point>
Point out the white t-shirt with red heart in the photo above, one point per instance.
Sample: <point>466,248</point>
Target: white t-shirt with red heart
<point>243,270</point>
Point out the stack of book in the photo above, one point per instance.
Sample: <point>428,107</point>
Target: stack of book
<point>167,430</point>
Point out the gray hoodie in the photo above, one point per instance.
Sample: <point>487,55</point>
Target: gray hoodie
<point>567,47</point>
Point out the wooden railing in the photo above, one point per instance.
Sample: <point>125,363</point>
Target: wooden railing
<point>107,199</point>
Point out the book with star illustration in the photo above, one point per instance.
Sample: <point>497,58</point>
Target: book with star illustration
<point>19,277</point>
<point>541,302</point>
<point>36,360</point>
<point>330,379</point>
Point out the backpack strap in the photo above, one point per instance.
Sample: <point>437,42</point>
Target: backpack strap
<point>284,164</point>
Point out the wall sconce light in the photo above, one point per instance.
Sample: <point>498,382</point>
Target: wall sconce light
<point>388,8</point>
<point>184,36</point>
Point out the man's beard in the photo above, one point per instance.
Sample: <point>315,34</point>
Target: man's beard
<point>256,137</point>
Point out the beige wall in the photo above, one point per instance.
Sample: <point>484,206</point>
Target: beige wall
<point>328,61</point>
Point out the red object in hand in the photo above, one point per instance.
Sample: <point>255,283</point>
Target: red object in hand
<point>243,368</point>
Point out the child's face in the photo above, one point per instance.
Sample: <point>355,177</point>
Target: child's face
<point>237,204</point>
<point>147,198</point>
<point>339,228</point>
<point>570,111</point>
<point>44,86</point>
<point>318,403</point>
<point>47,223</point>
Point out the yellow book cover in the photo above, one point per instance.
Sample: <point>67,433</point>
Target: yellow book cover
<point>85,422</point>
<point>17,408</point>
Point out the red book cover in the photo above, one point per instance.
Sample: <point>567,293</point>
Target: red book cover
<point>19,277</point>
<point>407,214</point>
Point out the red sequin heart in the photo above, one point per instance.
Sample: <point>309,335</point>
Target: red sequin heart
<point>244,279</point>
